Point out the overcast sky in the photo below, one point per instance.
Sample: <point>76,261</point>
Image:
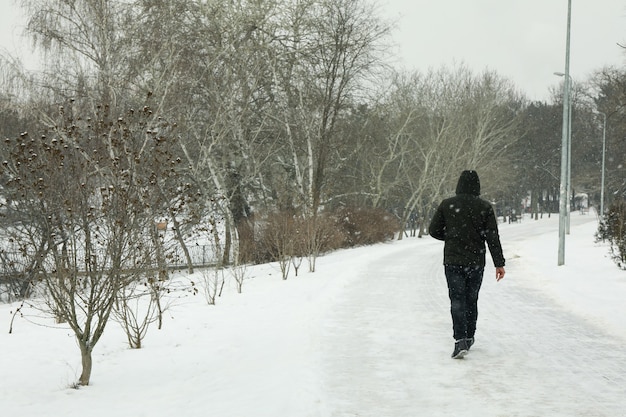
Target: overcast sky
<point>523,40</point>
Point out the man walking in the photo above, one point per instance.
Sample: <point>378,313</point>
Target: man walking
<point>465,222</point>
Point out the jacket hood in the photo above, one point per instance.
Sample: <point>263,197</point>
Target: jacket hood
<point>469,183</point>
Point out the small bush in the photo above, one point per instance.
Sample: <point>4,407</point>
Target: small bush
<point>285,237</point>
<point>322,234</point>
<point>366,226</point>
<point>280,236</point>
<point>613,229</point>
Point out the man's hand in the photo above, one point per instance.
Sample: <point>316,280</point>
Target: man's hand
<point>499,273</point>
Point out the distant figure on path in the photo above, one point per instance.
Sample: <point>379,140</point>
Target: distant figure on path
<point>465,222</point>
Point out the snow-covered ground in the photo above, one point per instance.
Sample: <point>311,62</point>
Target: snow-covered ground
<point>368,334</point>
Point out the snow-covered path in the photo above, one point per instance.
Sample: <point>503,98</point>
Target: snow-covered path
<point>368,334</point>
<point>387,342</point>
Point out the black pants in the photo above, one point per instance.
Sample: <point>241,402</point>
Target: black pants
<point>463,286</point>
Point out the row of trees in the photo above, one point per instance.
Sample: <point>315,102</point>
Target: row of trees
<point>227,117</point>
<point>538,150</point>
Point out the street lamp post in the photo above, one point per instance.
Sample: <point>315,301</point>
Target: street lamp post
<point>569,152</point>
<point>603,159</point>
<point>564,146</point>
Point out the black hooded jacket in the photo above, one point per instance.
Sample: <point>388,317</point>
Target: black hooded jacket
<point>465,222</point>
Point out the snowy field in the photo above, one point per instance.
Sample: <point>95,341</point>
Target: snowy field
<point>368,334</point>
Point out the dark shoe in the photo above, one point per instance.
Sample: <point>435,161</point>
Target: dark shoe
<point>460,349</point>
<point>470,342</point>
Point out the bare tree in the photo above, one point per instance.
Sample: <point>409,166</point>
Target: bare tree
<point>278,239</point>
<point>135,309</point>
<point>83,191</point>
<point>330,49</point>
<point>84,45</point>
<point>320,234</point>
<point>239,273</point>
<point>213,283</point>
<point>207,65</point>
<point>428,127</point>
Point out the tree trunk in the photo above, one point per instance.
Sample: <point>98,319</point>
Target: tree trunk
<point>179,237</point>
<point>85,353</point>
<point>160,256</point>
<point>228,241</point>
<point>245,233</point>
